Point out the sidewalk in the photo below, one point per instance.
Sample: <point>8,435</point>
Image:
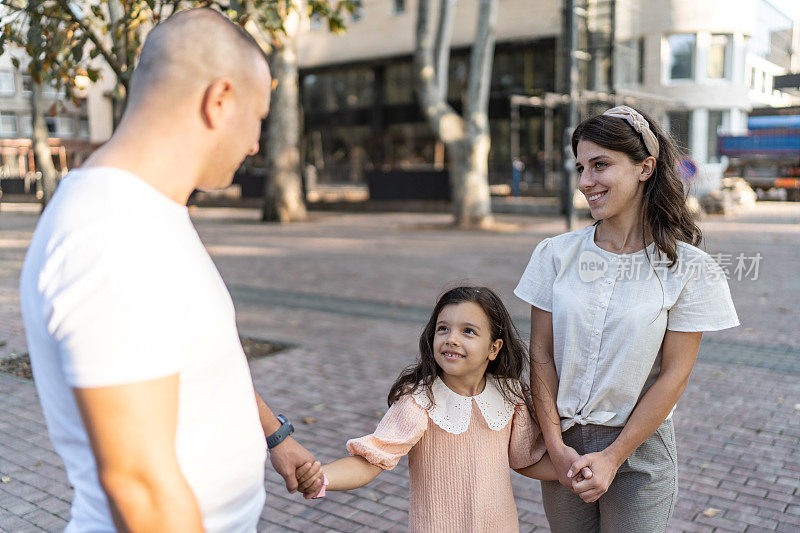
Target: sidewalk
<point>351,293</point>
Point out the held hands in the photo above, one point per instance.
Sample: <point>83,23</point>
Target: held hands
<point>604,469</point>
<point>563,461</point>
<point>289,456</point>
<point>309,479</point>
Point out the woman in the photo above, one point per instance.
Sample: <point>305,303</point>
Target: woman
<point>617,313</point>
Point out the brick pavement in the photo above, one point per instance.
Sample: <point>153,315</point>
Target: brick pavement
<point>350,292</point>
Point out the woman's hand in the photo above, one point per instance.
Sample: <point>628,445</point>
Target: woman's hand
<point>563,458</point>
<point>604,469</point>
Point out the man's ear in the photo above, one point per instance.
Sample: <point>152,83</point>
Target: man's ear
<point>648,167</point>
<point>218,102</point>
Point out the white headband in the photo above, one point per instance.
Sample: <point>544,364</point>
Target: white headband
<point>638,123</point>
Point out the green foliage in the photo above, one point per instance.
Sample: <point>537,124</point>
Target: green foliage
<point>64,39</point>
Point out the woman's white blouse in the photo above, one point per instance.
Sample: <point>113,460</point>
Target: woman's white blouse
<point>610,312</point>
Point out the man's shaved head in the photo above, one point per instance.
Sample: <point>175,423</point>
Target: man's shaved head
<point>188,51</point>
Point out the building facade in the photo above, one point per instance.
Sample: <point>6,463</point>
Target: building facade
<point>76,126</point>
<point>699,67</point>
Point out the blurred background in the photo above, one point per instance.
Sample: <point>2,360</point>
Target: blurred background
<point>722,75</point>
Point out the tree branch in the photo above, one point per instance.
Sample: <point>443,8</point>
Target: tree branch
<point>96,41</point>
<point>480,66</point>
<point>441,51</point>
<point>444,121</point>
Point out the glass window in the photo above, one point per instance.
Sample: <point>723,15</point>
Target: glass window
<point>7,82</point>
<point>51,125</point>
<point>330,91</point>
<point>399,83</point>
<point>399,6</point>
<point>27,125</point>
<point>508,71</point>
<point>358,11</point>
<point>65,126</point>
<point>8,124</point>
<point>715,123</point>
<point>751,78</point>
<point>719,54</point>
<point>26,84</point>
<point>630,65</point>
<point>83,128</point>
<point>680,123</point>
<point>681,56</point>
<point>458,70</point>
<point>316,21</point>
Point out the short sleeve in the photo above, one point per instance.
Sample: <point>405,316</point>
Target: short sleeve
<point>527,445</point>
<point>704,303</point>
<point>398,431</point>
<point>536,284</point>
<point>113,310</point>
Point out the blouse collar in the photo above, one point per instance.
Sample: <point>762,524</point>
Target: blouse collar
<point>452,411</point>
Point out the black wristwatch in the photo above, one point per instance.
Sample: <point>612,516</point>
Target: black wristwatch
<point>279,436</point>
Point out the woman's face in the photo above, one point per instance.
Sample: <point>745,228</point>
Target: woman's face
<point>611,182</point>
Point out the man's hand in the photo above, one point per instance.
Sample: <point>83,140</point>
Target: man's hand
<point>286,458</point>
<point>603,466</point>
<point>309,479</point>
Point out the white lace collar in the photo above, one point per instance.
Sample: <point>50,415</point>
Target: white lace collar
<point>452,412</point>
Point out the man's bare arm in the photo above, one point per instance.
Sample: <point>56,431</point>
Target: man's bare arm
<point>287,456</point>
<point>132,432</point>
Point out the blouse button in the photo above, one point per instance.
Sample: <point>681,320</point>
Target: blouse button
<point>608,281</point>
<point>596,332</point>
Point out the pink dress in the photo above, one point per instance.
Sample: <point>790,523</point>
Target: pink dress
<point>458,455</point>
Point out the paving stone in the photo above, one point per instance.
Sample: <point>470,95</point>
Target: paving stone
<point>350,292</point>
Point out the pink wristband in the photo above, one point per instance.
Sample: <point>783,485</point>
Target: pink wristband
<point>325,483</point>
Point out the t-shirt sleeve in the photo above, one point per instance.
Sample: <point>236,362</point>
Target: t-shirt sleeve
<point>526,445</point>
<point>398,431</point>
<point>536,284</point>
<point>704,303</point>
<point>113,312</point>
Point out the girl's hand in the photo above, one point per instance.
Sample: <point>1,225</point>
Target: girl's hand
<point>563,459</point>
<point>309,479</point>
<point>604,469</point>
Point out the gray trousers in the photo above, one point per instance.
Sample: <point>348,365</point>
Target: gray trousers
<point>640,499</point>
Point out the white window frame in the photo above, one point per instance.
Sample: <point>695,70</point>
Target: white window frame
<point>667,56</point>
<point>727,66</point>
<point>10,73</point>
<point>8,133</point>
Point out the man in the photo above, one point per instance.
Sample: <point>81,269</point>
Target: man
<point>143,382</point>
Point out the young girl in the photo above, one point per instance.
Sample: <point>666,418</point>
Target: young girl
<point>462,416</point>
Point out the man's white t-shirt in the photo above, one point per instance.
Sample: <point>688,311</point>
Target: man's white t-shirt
<point>117,288</point>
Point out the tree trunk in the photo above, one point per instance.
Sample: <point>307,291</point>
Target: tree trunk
<point>465,137</point>
<point>41,149</point>
<point>469,178</point>
<point>283,190</point>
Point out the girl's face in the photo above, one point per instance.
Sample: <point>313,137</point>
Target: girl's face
<point>611,182</point>
<point>462,341</point>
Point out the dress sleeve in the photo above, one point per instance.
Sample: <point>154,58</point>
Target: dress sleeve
<point>401,427</point>
<point>536,284</point>
<point>527,445</point>
<point>704,303</point>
